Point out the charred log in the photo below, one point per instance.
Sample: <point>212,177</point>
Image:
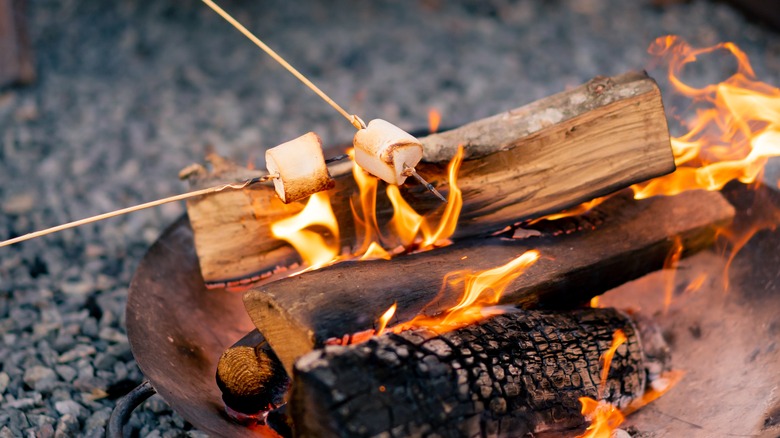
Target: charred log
<point>630,239</point>
<point>516,374</point>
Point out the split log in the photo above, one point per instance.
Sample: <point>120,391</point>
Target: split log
<point>16,64</point>
<point>517,374</point>
<point>300,313</point>
<point>527,162</point>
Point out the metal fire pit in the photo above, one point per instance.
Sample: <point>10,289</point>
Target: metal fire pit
<point>177,331</point>
<point>725,341</point>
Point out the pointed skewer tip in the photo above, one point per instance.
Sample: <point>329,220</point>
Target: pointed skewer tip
<point>413,172</point>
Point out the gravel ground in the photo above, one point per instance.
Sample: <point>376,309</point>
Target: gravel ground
<point>129,92</point>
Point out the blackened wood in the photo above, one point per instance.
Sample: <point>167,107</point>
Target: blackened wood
<point>513,375</point>
<point>540,158</point>
<point>630,239</point>
<point>16,64</point>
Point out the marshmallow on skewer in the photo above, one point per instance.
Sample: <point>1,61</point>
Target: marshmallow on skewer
<point>300,167</point>
<point>386,151</point>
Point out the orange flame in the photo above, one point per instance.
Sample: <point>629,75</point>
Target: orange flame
<point>365,220</point>
<point>670,271</point>
<point>730,140</point>
<point>312,247</point>
<point>695,284</point>
<point>618,339</point>
<point>481,290</point>
<point>449,220</point>
<point>385,318</point>
<point>375,252</point>
<point>604,417</point>
<point>405,222</point>
<point>434,119</point>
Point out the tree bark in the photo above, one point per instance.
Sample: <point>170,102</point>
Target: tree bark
<point>544,157</point>
<point>515,374</point>
<point>630,239</point>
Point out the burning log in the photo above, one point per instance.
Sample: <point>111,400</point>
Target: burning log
<point>633,238</point>
<point>537,159</point>
<point>516,374</point>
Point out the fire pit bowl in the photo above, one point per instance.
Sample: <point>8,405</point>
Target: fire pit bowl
<point>177,331</point>
<point>724,340</point>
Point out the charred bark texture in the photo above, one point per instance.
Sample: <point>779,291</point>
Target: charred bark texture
<point>515,375</point>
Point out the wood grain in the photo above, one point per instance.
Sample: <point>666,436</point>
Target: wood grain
<point>544,157</point>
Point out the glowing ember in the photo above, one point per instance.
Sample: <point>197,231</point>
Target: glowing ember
<point>732,139</point>
<point>594,302</point>
<point>434,119</point>
<point>481,290</point>
<point>385,318</point>
<point>311,245</point>
<point>574,211</point>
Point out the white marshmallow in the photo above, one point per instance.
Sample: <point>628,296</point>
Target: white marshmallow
<point>382,149</point>
<point>301,168</point>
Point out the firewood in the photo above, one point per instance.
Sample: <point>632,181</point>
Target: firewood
<point>540,158</point>
<point>16,64</point>
<point>300,313</point>
<point>517,374</point>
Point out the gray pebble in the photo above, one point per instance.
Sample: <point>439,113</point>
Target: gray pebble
<point>69,407</point>
<point>4,380</point>
<point>22,403</point>
<point>98,420</point>
<point>67,426</point>
<point>79,352</point>
<point>66,373</point>
<point>38,375</point>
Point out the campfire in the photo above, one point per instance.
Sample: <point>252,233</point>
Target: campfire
<point>513,276</point>
<point>378,309</point>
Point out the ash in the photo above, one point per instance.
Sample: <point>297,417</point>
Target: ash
<point>130,92</point>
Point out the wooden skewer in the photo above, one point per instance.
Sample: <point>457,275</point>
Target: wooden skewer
<point>413,172</point>
<point>100,217</point>
<point>353,119</point>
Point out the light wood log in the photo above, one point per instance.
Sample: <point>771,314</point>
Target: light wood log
<point>527,162</point>
<point>631,238</point>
